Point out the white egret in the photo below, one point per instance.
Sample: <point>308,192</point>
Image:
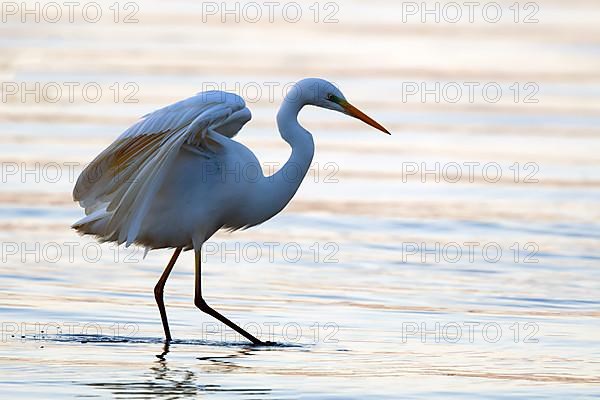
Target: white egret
<point>166,182</point>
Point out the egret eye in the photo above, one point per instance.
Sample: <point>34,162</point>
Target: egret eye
<point>330,97</point>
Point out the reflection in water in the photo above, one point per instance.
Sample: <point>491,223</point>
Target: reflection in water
<point>164,380</point>
<point>224,364</point>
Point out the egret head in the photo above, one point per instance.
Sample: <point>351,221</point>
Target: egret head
<point>324,94</point>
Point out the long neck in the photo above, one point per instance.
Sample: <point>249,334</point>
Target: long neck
<point>282,186</point>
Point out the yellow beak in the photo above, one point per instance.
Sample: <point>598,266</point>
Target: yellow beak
<point>356,113</point>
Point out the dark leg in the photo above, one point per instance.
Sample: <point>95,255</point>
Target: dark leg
<point>159,290</point>
<point>201,304</point>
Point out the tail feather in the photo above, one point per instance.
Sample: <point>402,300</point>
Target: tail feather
<point>94,224</point>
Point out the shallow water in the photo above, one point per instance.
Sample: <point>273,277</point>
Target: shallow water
<point>386,277</point>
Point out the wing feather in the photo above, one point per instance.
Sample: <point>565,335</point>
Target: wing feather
<point>121,182</point>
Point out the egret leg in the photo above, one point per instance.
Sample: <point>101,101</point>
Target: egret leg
<point>201,304</point>
<point>159,291</point>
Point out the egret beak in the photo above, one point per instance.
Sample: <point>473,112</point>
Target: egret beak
<point>356,113</point>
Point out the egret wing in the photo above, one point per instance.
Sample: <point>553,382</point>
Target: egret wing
<point>121,182</point>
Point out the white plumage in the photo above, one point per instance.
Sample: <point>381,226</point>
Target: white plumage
<point>118,187</point>
<point>177,176</point>
<point>160,183</point>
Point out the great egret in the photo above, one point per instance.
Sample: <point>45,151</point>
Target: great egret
<point>166,182</point>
